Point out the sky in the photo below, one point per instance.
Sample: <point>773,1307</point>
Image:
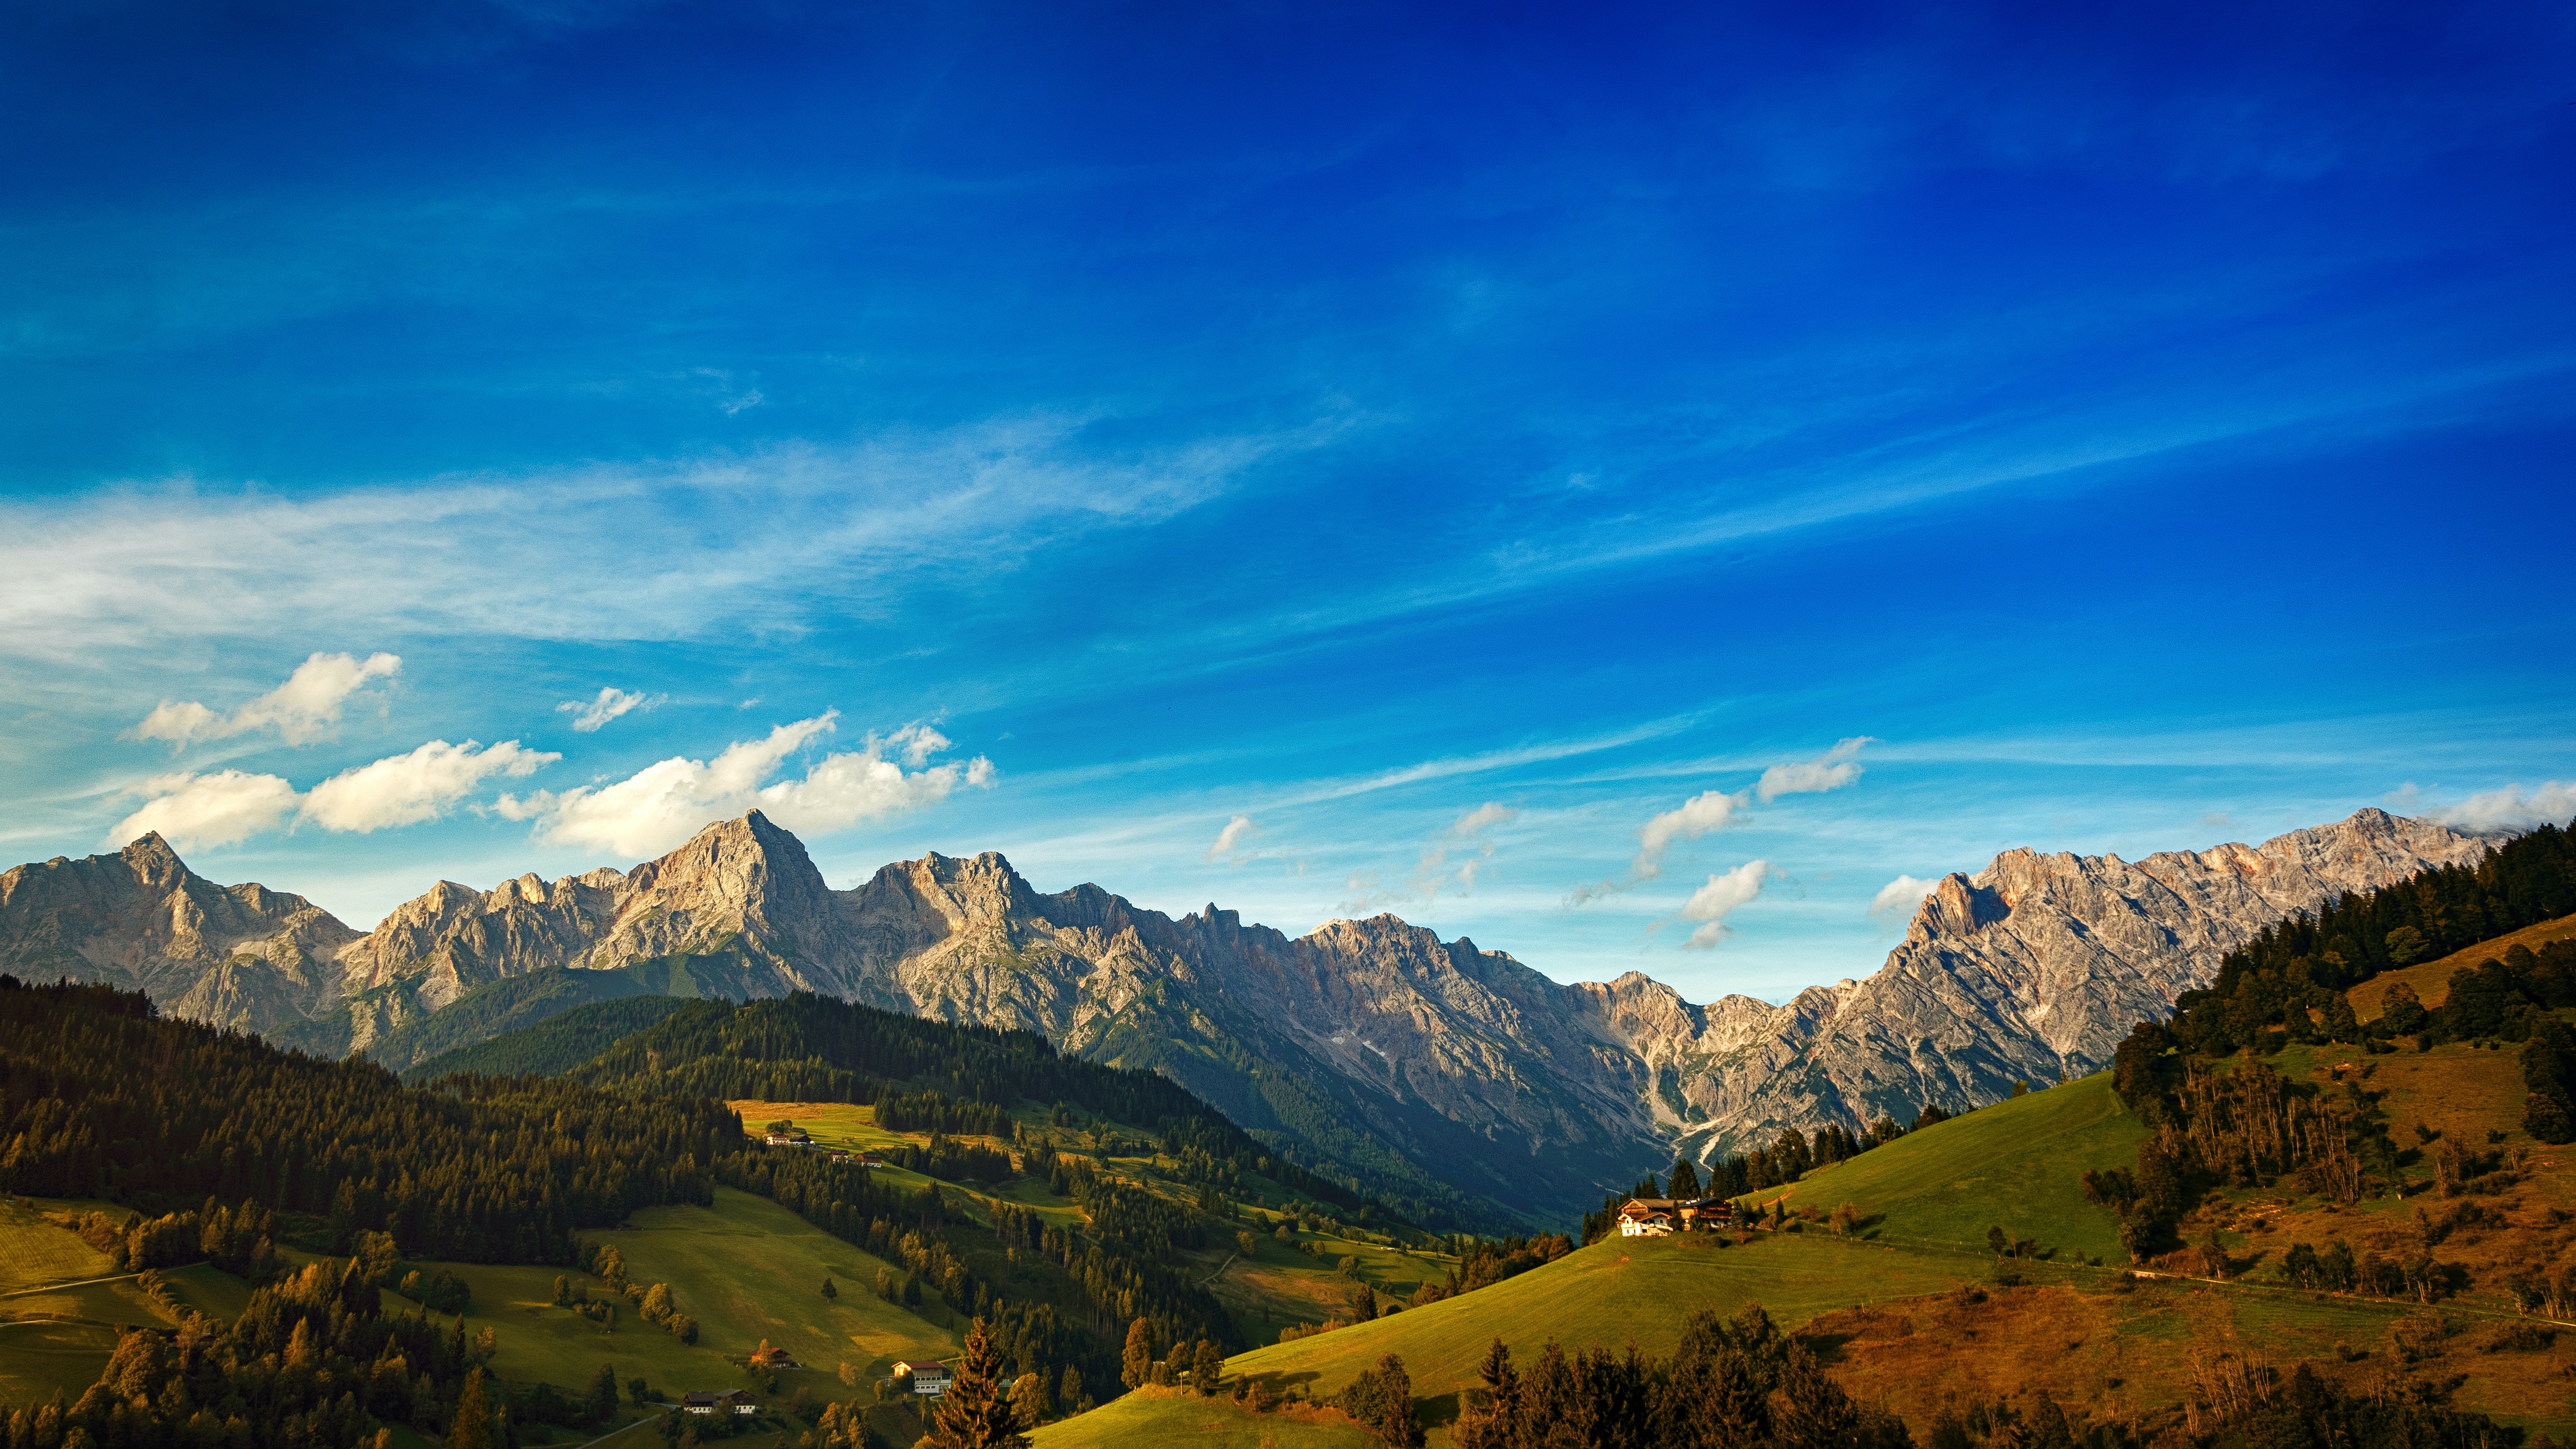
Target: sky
<point>1646,488</point>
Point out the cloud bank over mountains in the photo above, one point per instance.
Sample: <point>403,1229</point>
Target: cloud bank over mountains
<point>2510,808</point>
<point>665,803</point>
<point>644,814</point>
<point>228,806</point>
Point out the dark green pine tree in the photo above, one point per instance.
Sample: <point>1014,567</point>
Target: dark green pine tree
<point>602,1400</point>
<point>828,1290</point>
<point>1685,1178</point>
<point>975,1412</point>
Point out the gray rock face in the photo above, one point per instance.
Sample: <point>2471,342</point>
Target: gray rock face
<point>142,920</point>
<point>2031,970</point>
<point>1437,1073</point>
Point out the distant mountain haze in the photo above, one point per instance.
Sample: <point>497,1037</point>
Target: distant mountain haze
<point>1445,1077</point>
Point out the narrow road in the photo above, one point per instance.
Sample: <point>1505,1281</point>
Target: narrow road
<point>58,1287</point>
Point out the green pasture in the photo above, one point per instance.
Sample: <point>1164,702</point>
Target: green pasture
<point>1612,1293</point>
<point>1166,1416</point>
<point>748,1269</point>
<point>38,1356</point>
<point>2018,1165</point>
<point>35,1250</point>
<point>2431,980</point>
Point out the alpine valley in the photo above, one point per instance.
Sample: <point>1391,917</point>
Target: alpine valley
<point>1453,1081</point>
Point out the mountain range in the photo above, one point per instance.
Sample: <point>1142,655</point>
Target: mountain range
<point>1455,1081</point>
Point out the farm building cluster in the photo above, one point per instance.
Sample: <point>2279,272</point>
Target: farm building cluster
<point>1653,1217</point>
<point>798,1138</point>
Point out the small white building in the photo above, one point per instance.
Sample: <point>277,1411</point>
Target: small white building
<point>928,1377</point>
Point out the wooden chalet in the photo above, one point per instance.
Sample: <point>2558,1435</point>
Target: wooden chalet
<point>1654,1217</point>
<point>725,1401</point>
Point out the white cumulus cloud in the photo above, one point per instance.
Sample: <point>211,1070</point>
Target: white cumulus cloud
<point>1699,815</point>
<point>1484,817</point>
<point>665,803</point>
<point>1232,838</point>
<point>229,805</point>
<point>2511,808</point>
<point>590,715</point>
<point>1831,770</point>
<point>301,710</point>
<point>1901,895</point>
<point>194,811</point>
<point>408,789</point>
<point>1712,903</point>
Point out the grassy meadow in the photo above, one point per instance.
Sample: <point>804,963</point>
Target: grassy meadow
<point>1162,1416</point>
<point>51,1336</point>
<point>2018,1165</point>
<point>2431,980</point>
<point>1615,1292</point>
<point>746,1269</point>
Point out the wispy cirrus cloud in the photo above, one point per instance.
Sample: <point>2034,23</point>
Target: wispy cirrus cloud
<point>1434,872</point>
<point>592,715</point>
<point>673,549</point>
<point>1231,842</point>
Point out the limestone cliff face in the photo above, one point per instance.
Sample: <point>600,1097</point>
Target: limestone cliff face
<point>141,919</point>
<point>2033,968</point>
<point>1437,1073</point>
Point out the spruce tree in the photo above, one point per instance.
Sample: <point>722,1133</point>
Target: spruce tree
<point>828,1290</point>
<point>1136,1365</point>
<point>975,1412</point>
<point>602,1401</point>
<point>1685,1179</point>
<point>472,1428</point>
<point>1207,1368</point>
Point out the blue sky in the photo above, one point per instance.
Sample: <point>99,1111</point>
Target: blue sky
<point>1469,447</point>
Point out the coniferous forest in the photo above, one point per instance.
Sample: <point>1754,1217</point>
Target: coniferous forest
<point>101,1097</point>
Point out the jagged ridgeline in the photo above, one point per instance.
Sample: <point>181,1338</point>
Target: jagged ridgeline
<point>2309,960</point>
<point>804,1048</point>
<point>101,1098</point>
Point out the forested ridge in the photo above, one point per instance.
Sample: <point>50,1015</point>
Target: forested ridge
<point>2242,1124</point>
<point>805,1048</point>
<point>2308,960</point>
<point>99,1097</point>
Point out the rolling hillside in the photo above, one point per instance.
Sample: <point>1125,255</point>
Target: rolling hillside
<point>553,1046</point>
<point>2018,1165</point>
<point>2431,980</point>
